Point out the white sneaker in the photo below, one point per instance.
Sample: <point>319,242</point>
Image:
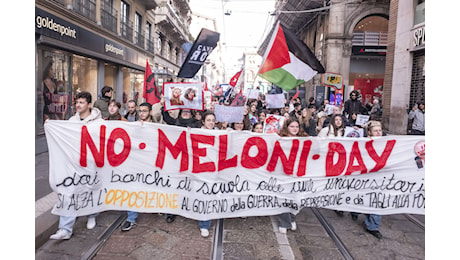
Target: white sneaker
<point>293,226</point>
<point>91,223</point>
<point>204,232</point>
<point>61,234</point>
<point>282,230</point>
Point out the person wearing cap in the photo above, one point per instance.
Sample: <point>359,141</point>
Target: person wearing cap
<point>418,115</point>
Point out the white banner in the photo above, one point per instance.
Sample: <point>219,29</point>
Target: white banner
<point>210,174</point>
<point>275,100</point>
<point>229,114</point>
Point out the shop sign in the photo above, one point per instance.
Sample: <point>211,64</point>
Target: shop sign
<point>419,36</point>
<point>64,31</point>
<point>369,50</point>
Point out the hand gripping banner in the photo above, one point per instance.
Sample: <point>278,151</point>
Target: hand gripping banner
<point>210,174</point>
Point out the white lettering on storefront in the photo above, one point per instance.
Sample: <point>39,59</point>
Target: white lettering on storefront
<point>111,48</point>
<point>46,22</point>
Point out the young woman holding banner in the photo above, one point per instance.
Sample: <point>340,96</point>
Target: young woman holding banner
<point>208,122</point>
<point>372,221</point>
<point>291,128</point>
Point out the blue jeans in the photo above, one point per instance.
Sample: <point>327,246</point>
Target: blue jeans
<point>67,223</point>
<point>132,216</point>
<point>206,224</point>
<point>373,221</point>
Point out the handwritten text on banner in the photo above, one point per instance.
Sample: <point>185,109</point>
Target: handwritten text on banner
<point>208,174</point>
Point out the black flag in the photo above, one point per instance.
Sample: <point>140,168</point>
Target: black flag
<point>202,47</point>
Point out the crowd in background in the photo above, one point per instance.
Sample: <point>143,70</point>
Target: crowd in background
<point>300,120</point>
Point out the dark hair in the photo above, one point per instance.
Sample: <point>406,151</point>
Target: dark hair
<point>336,128</point>
<point>354,92</point>
<point>311,106</point>
<point>133,101</point>
<point>146,104</point>
<point>46,71</point>
<point>118,104</point>
<point>205,114</point>
<point>105,89</point>
<point>188,91</point>
<point>85,95</point>
<point>255,124</point>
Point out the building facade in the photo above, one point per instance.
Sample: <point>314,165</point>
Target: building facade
<point>85,45</point>
<point>376,46</point>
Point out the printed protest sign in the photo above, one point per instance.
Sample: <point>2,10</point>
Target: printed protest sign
<point>362,119</point>
<point>273,124</point>
<point>351,132</point>
<point>229,114</point>
<point>183,95</point>
<point>274,100</point>
<point>329,109</point>
<point>209,174</point>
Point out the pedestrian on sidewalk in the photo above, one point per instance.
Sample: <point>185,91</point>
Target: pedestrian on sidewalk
<point>291,128</point>
<point>84,114</point>
<point>418,115</point>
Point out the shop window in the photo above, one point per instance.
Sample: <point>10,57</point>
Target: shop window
<point>419,16</point>
<point>417,89</point>
<point>110,77</point>
<point>133,83</point>
<point>53,87</point>
<point>84,77</point>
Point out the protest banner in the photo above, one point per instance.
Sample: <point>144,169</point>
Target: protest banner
<point>229,114</point>
<point>204,44</point>
<point>183,95</point>
<point>275,100</point>
<point>252,93</point>
<point>209,174</point>
<point>273,124</point>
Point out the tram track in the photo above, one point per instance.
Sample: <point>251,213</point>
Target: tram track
<point>103,238</point>
<point>416,221</point>
<point>332,234</point>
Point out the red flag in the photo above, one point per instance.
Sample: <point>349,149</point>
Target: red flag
<point>150,89</point>
<point>235,78</point>
<point>296,95</point>
<point>239,100</point>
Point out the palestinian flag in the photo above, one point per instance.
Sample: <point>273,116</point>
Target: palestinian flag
<point>288,62</point>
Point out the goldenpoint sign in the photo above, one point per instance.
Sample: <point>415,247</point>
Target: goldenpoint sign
<point>209,174</point>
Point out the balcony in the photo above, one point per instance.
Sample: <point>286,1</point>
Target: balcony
<point>149,45</point>
<point>126,30</point>
<point>167,17</point>
<point>108,17</point>
<point>139,39</point>
<point>370,38</point>
<point>87,8</point>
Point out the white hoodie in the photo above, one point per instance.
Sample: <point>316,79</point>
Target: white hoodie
<point>95,114</point>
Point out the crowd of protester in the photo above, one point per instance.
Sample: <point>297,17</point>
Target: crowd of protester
<point>309,119</point>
